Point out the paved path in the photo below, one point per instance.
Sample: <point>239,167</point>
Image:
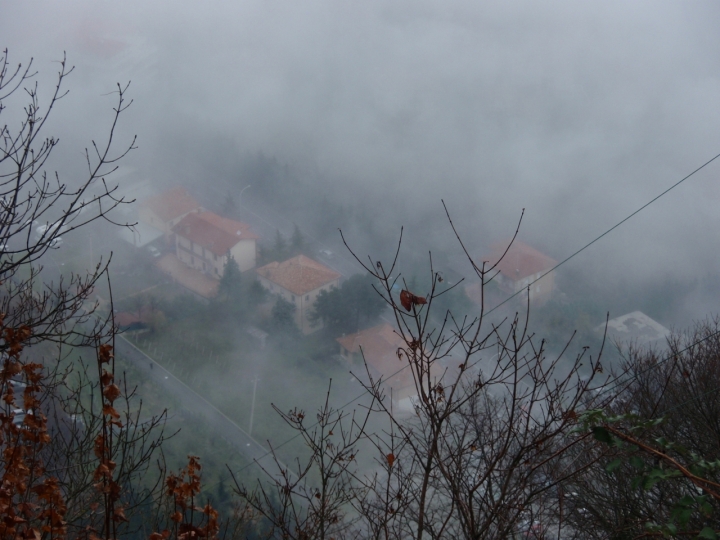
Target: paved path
<point>195,404</point>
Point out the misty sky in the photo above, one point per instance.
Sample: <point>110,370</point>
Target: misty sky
<point>579,112</point>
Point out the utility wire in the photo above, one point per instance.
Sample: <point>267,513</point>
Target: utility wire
<point>611,229</point>
<point>633,377</point>
<point>608,231</point>
<point>672,355</point>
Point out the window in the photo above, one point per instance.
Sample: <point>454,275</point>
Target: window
<point>293,297</point>
<point>307,297</point>
<point>215,256</point>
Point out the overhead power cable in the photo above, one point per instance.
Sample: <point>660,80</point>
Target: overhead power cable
<point>608,231</point>
<point>611,229</point>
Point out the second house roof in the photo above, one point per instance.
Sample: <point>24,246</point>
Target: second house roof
<point>215,233</point>
<point>298,275</point>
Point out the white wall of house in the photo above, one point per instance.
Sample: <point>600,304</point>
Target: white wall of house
<point>204,260</point>
<point>244,253</point>
<point>303,303</point>
<point>187,252</point>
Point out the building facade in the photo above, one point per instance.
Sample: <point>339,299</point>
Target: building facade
<point>378,348</point>
<point>204,241</point>
<point>299,281</point>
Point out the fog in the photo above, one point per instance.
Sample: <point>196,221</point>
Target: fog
<point>578,113</point>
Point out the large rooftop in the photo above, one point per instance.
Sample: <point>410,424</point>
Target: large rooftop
<point>215,233</point>
<point>521,261</point>
<point>299,275</point>
<point>171,204</point>
<point>378,342</point>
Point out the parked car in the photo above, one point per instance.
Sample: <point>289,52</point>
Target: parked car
<point>155,252</point>
<point>326,253</point>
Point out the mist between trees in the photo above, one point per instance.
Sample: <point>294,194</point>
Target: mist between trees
<point>483,430</point>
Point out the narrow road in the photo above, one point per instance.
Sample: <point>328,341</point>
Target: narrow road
<point>197,405</point>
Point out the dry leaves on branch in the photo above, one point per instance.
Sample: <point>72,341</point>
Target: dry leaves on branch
<point>111,392</point>
<point>105,353</point>
<point>408,299</point>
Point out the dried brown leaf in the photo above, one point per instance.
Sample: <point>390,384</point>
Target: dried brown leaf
<point>110,410</point>
<point>408,299</point>
<point>105,353</point>
<point>111,392</point>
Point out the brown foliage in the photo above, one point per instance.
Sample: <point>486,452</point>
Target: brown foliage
<point>31,502</point>
<point>408,300</point>
<point>183,489</point>
<point>80,480</point>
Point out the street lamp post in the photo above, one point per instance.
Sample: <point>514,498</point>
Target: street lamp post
<point>252,407</point>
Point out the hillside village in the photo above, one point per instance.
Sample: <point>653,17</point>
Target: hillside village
<point>347,270</point>
<point>192,247</point>
<point>225,323</point>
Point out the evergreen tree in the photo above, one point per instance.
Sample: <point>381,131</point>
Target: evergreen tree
<point>280,249</point>
<point>297,241</point>
<point>282,317</point>
<point>230,301</point>
<point>231,280</point>
<point>350,308</point>
<point>229,207</point>
<point>256,294</point>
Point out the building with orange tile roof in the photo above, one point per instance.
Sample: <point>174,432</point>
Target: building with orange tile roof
<point>299,280</point>
<point>379,346</point>
<point>165,210</point>
<point>523,265</point>
<point>204,241</point>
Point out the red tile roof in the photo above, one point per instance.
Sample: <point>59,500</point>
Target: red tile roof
<point>379,346</point>
<point>521,261</point>
<point>171,204</point>
<point>125,319</point>
<point>299,275</point>
<point>216,234</point>
<point>378,341</point>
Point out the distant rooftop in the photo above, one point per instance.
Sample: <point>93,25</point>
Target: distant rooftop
<point>299,275</point>
<point>634,327</point>
<point>377,342</point>
<point>521,260</point>
<point>171,204</point>
<point>380,345</point>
